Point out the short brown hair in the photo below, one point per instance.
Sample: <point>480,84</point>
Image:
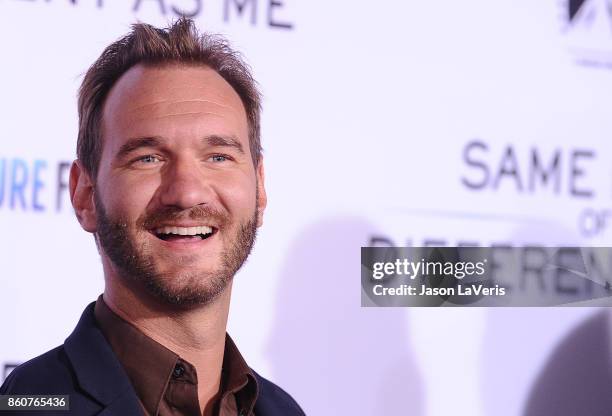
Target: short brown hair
<point>179,43</point>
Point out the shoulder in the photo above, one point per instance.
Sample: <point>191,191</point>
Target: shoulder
<point>49,373</point>
<point>273,400</point>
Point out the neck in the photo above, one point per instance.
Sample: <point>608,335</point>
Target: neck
<point>196,334</point>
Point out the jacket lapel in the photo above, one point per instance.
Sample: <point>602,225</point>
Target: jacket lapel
<point>97,369</point>
<point>121,406</point>
<point>273,401</point>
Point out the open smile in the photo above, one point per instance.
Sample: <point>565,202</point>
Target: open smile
<point>184,234</point>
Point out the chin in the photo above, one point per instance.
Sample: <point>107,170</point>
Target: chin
<point>194,289</point>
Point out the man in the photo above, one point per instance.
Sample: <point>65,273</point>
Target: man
<point>170,181</point>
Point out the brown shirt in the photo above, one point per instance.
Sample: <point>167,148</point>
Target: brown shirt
<point>166,384</point>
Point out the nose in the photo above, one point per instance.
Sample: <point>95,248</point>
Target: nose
<point>184,185</point>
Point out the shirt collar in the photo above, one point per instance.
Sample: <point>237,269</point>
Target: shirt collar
<point>150,365</point>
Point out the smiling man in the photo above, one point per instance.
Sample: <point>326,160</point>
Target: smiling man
<point>170,181</point>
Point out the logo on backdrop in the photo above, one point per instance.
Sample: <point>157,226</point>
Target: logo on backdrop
<point>568,173</point>
<point>588,32</point>
<point>36,185</point>
<point>261,13</point>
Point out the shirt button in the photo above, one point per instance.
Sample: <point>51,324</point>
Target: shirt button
<point>178,371</point>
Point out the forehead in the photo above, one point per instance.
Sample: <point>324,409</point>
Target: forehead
<point>168,97</point>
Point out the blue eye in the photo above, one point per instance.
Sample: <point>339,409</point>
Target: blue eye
<point>148,159</point>
<point>219,158</point>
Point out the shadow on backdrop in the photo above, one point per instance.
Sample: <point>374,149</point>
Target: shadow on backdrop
<point>520,375</point>
<point>337,357</point>
<point>577,379</point>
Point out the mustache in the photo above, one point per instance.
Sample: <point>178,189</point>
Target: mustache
<point>203,213</point>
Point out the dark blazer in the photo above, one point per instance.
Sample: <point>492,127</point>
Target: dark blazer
<point>86,369</point>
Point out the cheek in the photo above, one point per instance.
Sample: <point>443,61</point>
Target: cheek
<point>128,197</point>
<point>238,196</point>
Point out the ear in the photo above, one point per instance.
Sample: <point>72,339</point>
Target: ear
<point>82,196</point>
<point>262,198</point>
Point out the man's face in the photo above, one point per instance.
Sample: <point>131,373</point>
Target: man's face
<point>177,198</point>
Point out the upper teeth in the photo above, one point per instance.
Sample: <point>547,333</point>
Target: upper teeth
<point>184,230</point>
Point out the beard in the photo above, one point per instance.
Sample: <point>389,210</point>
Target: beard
<point>135,261</point>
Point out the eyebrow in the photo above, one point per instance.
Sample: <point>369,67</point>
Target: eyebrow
<point>137,143</point>
<point>221,141</point>
<point>213,140</point>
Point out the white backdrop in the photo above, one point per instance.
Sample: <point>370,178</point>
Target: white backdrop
<point>414,122</point>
